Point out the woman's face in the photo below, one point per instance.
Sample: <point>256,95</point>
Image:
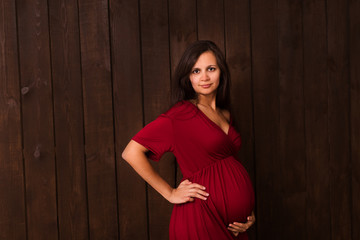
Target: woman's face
<point>205,74</point>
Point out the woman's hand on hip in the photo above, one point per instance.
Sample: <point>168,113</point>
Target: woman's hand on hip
<point>187,192</point>
<point>237,227</point>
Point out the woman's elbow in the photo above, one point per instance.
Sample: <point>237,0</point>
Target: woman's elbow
<point>132,151</point>
<point>125,154</point>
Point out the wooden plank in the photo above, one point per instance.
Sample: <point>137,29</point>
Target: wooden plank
<point>98,116</point>
<point>339,129</point>
<point>266,115</point>
<point>291,165</point>
<point>126,68</point>
<point>68,116</point>
<point>182,21</point>
<point>210,16</point>
<point>156,88</point>
<point>12,205</point>
<point>354,36</point>
<point>182,25</point>
<point>37,116</point>
<point>238,55</point>
<point>316,118</point>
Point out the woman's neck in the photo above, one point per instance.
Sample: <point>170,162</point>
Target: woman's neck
<point>207,101</point>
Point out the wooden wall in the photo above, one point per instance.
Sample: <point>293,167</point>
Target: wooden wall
<point>78,78</point>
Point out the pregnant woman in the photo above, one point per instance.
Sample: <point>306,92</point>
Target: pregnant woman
<point>215,199</point>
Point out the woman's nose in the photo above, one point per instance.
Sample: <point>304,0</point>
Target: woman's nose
<point>204,76</point>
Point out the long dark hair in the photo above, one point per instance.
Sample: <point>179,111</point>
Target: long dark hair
<point>182,88</point>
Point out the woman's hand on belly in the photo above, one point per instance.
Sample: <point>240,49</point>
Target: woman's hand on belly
<point>187,192</point>
<point>237,227</point>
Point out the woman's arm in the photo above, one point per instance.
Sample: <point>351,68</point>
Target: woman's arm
<point>135,155</point>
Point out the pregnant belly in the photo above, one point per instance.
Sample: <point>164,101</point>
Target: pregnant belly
<point>231,192</point>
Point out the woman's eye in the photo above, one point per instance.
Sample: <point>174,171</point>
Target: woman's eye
<point>195,71</point>
<point>211,69</point>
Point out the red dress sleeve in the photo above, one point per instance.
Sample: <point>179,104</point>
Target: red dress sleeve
<point>157,137</point>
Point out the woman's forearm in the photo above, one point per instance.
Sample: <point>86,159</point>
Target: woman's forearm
<point>135,155</point>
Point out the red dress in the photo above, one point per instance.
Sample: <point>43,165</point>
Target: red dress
<point>207,156</point>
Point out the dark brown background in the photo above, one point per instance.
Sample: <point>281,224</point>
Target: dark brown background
<point>78,78</point>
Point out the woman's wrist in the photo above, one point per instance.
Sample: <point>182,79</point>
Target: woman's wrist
<point>169,194</point>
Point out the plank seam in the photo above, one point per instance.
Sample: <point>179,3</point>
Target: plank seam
<point>197,20</point>
<point>171,82</point>
<point>53,121</point>
<point>252,109</point>
<point>143,115</point>
<point>83,119</point>
<point>224,27</point>
<point>304,111</point>
<point>328,111</point>
<point>348,21</point>
<point>113,118</point>
<point>21,120</point>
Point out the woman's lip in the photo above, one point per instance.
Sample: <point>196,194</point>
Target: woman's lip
<point>206,85</point>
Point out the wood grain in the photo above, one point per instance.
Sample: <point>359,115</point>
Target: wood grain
<point>12,204</point>
<point>338,119</point>
<point>79,78</point>
<point>68,116</point>
<point>316,120</point>
<point>98,117</point>
<point>128,113</point>
<point>266,92</point>
<point>291,164</point>
<point>210,20</point>
<point>156,87</point>
<point>37,113</point>
<point>354,57</point>
<point>238,55</point>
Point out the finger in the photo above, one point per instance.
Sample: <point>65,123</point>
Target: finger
<point>251,219</point>
<point>201,192</point>
<point>239,226</point>
<point>236,229</point>
<point>250,222</point>
<point>187,199</point>
<point>252,216</point>
<point>197,195</point>
<point>195,185</point>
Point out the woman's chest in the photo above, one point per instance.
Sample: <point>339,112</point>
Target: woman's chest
<point>203,137</point>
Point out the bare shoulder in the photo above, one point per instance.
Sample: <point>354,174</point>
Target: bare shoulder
<point>226,114</point>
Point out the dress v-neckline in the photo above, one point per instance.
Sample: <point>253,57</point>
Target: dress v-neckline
<point>211,121</point>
